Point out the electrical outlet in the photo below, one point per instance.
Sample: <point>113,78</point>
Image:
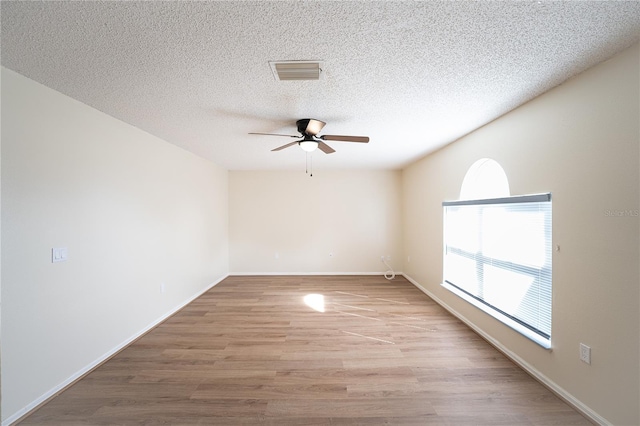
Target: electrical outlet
<point>163,288</point>
<point>330,254</point>
<point>382,258</point>
<point>388,258</point>
<point>585,353</point>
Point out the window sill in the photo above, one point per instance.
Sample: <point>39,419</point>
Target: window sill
<point>540,340</point>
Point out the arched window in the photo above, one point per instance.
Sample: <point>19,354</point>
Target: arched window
<point>497,251</point>
<point>484,179</point>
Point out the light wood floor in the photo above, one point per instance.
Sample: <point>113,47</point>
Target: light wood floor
<point>250,351</point>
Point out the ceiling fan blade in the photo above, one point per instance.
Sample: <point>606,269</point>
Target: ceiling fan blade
<point>285,146</point>
<point>274,134</point>
<point>363,139</point>
<point>325,148</point>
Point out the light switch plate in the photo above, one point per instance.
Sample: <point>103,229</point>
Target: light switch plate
<point>59,254</point>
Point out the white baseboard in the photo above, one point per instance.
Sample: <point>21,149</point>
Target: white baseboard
<point>88,368</point>
<point>531,370</point>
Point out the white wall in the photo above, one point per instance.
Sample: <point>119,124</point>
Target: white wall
<point>353,215</point>
<point>579,141</point>
<point>133,211</point>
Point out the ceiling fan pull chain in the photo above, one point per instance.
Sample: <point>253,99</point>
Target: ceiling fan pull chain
<point>309,170</point>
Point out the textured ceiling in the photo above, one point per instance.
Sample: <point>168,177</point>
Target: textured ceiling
<point>413,76</point>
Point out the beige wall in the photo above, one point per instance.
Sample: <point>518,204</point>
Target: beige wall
<point>134,212</point>
<point>579,141</point>
<point>288,222</point>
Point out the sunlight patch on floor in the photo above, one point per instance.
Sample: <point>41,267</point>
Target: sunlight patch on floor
<point>315,302</point>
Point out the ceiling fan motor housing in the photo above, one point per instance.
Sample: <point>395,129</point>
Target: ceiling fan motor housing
<point>309,126</point>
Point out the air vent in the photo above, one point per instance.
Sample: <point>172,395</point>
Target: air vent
<point>297,70</point>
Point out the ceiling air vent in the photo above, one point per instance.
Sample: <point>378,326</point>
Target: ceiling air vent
<point>297,70</point>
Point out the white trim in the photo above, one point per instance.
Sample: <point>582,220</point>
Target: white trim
<point>242,274</point>
<point>88,368</point>
<point>530,369</point>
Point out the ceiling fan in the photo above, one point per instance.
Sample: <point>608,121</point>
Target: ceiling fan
<point>309,129</point>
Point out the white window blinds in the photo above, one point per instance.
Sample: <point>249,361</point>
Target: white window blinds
<point>498,252</point>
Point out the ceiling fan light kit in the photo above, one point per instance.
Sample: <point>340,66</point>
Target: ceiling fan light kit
<point>308,146</point>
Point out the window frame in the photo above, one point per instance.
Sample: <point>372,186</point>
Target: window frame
<point>540,337</point>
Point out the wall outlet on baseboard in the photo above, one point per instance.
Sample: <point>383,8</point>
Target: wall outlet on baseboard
<point>585,353</point>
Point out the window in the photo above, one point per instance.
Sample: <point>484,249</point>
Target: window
<point>484,179</point>
<point>497,256</point>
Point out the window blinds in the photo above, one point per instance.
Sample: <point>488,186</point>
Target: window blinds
<point>498,251</point>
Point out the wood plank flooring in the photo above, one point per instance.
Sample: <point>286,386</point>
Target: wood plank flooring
<point>250,351</point>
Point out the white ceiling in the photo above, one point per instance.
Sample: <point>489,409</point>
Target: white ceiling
<point>413,76</point>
